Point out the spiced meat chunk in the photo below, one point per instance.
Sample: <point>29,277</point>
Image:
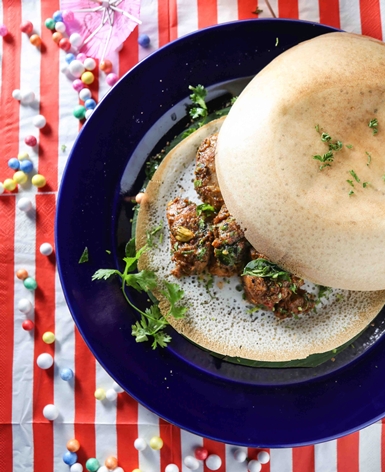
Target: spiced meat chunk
<point>230,246</point>
<point>190,238</point>
<point>206,182</point>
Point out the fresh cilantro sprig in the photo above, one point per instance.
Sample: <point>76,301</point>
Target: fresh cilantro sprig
<point>199,110</point>
<point>373,125</point>
<point>264,268</point>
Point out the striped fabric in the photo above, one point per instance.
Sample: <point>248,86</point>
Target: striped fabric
<point>28,442</point>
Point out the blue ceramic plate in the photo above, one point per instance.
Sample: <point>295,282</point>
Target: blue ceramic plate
<point>184,384</point>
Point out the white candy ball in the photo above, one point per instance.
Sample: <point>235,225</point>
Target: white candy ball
<point>111,395</point>
<point>85,94</point>
<point>240,455</point>
<point>24,204</point>
<point>76,40</point>
<point>171,468</point>
<point>117,388</point>
<point>118,469</point>
<point>44,361</point>
<point>88,114</point>
<point>263,457</point>
<point>27,97</point>
<point>24,305</point>
<point>1,188</point>
<point>39,121</point>
<point>140,444</point>
<point>50,412</point>
<point>254,466</point>
<point>213,462</point>
<point>16,94</point>
<point>76,68</point>
<point>46,249</point>
<point>103,468</point>
<point>60,27</point>
<point>191,462</point>
<point>89,63</point>
<point>77,467</point>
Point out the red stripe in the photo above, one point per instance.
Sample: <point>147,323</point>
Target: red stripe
<point>173,8</point>
<point>347,453</point>
<point>288,9</point>
<point>171,452</point>
<point>85,386</point>
<point>207,13</point>
<point>329,13</point>
<point>7,237</point>
<point>49,93</point>
<point>163,23</point>
<point>214,447</point>
<point>246,9</point>
<point>128,56</point>
<point>127,431</point>
<point>371,18</point>
<point>44,321</point>
<point>304,459</point>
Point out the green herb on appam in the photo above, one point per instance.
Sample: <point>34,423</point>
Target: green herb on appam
<point>84,256</point>
<point>373,125</point>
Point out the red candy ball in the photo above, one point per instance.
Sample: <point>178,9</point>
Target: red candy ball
<point>26,27</point>
<point>201,453</point>
<point>27,325</point>
<point>65,44</point>
<point>30,141</point>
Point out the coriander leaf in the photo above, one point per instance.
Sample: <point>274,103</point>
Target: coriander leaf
<point>198,96</point>
<point>161,339</point>
<point>233,100</point>
<point>337,146</point>
<point>84,256</point>
<point>108,251</point>
<point>130,249</point>
<point>197,112</point>
<point>139,332</point>
<point>276,42</point>
<point>63,147</point>
<point>197,183</point>
<point>350,182</point>
<point>351,193</point>
<point>151,234</point>
<point>264,268</point>
<point>188,132</point>
<point>174,294</point>
<point>105,274</point>
<point>365,184</point>
<point>353,174</point>
<point>325,137</point>
<point>369,158</point>
<point>349,146</point>
<point>317,128</point>
<point>143,280</point>
<point>206,209</point>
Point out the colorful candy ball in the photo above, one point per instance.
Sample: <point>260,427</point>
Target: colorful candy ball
<point>45,361</point>
<point>144,40</point>
<point>26,27</point>
<point>20,177</point>
<point>111,395</point>
<point>24,204</point>
<point>76,40</point>
<point>30,283</point>
<point>21,274</point>
<point>73,445</point>
<point>156,443</point>
<point>88,113</point>
<point>201,453</point>
<point>92,464</point>
<point>69,57</point>
<point>60,27</point>
<point>191,462</point>
<point>64,44</point>
<point>140,444</point>
<point>16,94</point>
<point>66,374</point>
<point>254,466</point>
<point>111,79</point>
<point>35,40</point>
<point>46,249</point>
<point>77,85</point>
<point>14,163</point>
<point>79,112</point>
<point>213,462</point>
<point>263,457</point>
<point>100,394</point>
<point>22,156</point>
<point>117,387</point>
<point>76,467</point>
<point>111,462</point>
<point>38,180</point>
<point>87,77</point>
<point>171,468</point>
<point>39,121</point>
<point>89,63</point>
<point>58,16</point>
<point>9,184</point>
<point>85,94</point>
<point>103,468</point>
<point>3,30</point>
<point>50,23</point>
<point>26,166</point>
<point>70,458</point>
<point>24,305</point>
<point>30,140</point>
<point>48,337</point>
<point>106,66</point>
<point>89,104</point>
<point>50,412</point>
<point>76,68</point>
<point>27,325</point>
<point>27,97</point>
<point>57,37</point>
<point>81,57</point>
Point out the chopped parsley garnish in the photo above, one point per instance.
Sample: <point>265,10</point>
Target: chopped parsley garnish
<point>326,158</point>
<point>369,158</point>
<point>325,137</point>
<point>205,209</point>
<point>351,193</point>
<point>233,100</point>
<point>365,184</point>
<point>276,42</point>
<point>350,182</point>
<point>337,146</point>
<point>197,183</point>
<point>154,232</point>
<point>317,128</point>
<point>353,174</point>
<point>349,146</point>
<point>373,125</point>
<point>63,147</point>
<point>84,256</point>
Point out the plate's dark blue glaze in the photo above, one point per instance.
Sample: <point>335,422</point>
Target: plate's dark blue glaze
<point>183,384</point>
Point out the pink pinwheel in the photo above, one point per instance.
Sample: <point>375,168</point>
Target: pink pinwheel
<point>102,25</point>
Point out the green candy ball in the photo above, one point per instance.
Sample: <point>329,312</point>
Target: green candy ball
<point>92,464</point>
<point>79,112</point>
<point>50,23</point>
<point>30,283</point>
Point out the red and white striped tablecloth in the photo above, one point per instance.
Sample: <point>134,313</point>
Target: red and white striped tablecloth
<point>28,442</point>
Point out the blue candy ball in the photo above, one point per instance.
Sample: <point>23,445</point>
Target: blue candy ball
<point>144,40</point>
<point>66,374</point>
<point>57,16</point>
<point>26,166</point>
<point>90,104</point>
<point>14,163</point>
<point>70,458</point>
<point>70,57</point>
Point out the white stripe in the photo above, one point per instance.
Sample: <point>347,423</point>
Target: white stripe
<point>149,26</point>
<point>189,442</point>
<point>308,11</point>
<point>325,457</point>
<point>30,80</point>
<point>382,16</point>
<point>350,19</point>
<point>370,448</point>
<point>227,10</point>
<point>231,464</point>
<point>22,375</point>
<point>148,427</point>
<point>266,12</point>
<point>187,11</point>
<point>281,460</point>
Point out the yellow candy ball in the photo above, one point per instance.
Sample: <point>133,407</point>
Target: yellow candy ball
<point>48,337</point>
<point>87,77</point>
<point>156,443</point>
<point>20,177</point>
<point>136,470</point>
<point>100,394</point>
<point>38,180</point>
<point>22,156</point>
<point>9,184</point>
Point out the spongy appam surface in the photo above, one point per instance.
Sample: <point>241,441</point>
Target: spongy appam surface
<point>219,319</point>
<point>301,217</point>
